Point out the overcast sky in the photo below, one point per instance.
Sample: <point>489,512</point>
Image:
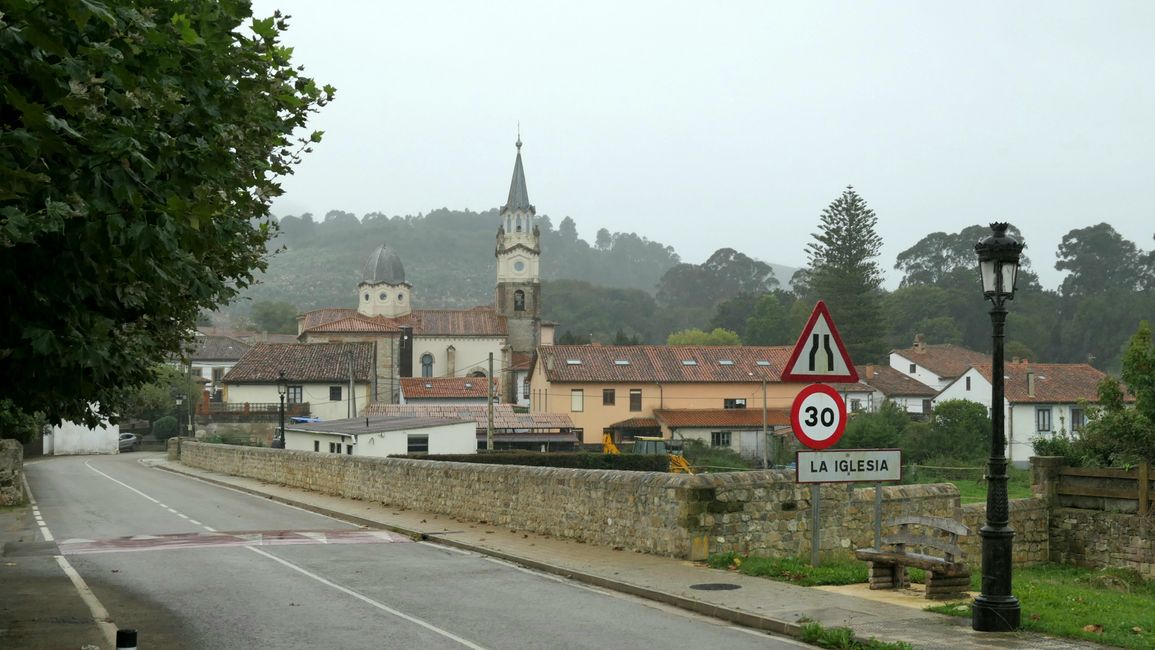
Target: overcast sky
<point>733,124</point>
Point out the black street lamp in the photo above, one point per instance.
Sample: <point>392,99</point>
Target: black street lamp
<point>995,609</point>
<point>282,388</point>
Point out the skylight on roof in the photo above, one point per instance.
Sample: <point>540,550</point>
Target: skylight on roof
<point>469,384</point>
<point>429,385</point>
<point>621,362</point>
<point>573,362</point>
<point>763,362</point>
<point>725,362</point>
<point>689,362</point>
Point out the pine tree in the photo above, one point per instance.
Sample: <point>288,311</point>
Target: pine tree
<point>842,272</point>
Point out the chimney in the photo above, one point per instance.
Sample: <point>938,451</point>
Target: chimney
<point>1030,383</point>
<point>919,343</point>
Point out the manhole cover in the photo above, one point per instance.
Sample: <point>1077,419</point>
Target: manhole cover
<point>715,586</point>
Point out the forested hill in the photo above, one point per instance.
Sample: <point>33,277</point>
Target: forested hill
<point>448,257</point>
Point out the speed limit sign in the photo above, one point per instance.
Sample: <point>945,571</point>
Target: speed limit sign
<point>818,416</point>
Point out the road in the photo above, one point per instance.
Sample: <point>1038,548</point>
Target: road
<point>194,565</point>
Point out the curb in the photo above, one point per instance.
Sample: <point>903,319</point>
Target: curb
<point>727,614</point>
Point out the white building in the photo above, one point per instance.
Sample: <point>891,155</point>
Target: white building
<point>381,436</point>
<point>71,438</point>
<point>316,374</point>
<point>935,365</point>
<point>1041,399</point>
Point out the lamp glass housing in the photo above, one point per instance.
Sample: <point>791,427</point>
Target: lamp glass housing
<point>282,384</point>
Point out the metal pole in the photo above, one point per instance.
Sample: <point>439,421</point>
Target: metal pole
<point>282,445</point>
<point>765,438</point>
<point>815,496</point>
<point>878,515</point>
<point>489,397</point>
<point>352,408</point>
<point>995,609</point>
<point>191,427</point>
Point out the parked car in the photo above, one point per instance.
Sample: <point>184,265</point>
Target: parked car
<point>129,442</point>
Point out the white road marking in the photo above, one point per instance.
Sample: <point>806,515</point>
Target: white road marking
<point>126,485</point>
<point>47,534</point>
<point>365,599</point>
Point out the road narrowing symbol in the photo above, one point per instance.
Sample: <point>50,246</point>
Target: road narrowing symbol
<point>818,416</point>
<point>819,354</point>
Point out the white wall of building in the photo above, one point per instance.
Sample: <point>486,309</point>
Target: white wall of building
<point>902,364</point>
<point>315,394</point>
<point>470,354</point>
<point>71,438</point>
<point>455,438</point>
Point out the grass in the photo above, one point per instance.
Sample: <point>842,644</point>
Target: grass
<point>842,638</point>
<point>1108,606</point>
<point>969,481</point>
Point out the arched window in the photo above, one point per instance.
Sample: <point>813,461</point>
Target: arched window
<point>427,365</point>
<point>519,223</point>
<point>519,300</point>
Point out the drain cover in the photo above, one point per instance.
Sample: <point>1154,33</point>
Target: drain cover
<point>715,586</point>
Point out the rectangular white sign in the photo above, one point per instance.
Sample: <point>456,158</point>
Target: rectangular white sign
<point>849,466</point>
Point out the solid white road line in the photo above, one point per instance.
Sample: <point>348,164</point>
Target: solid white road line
<point>365,599</point>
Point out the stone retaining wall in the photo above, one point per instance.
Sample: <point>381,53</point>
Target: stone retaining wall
<point>11,473</point>
<point>1094,538</point>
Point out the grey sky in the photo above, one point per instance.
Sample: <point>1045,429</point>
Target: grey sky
<point>706,125</point>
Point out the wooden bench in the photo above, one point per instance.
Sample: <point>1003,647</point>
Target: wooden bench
<point>947,578</point>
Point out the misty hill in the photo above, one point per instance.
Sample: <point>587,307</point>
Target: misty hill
<point>448,257</point>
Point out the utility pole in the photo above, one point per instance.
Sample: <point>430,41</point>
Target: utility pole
<point>489,398</point>
<point>352,408</point>
<point>765,438</point>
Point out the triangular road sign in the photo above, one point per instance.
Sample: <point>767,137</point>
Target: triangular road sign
<point>819,354</point>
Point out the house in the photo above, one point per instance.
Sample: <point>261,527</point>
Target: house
<point>211,356</point>
<point>887,383</point>
<point>381,436</point>
<point>1040,399</point>
<point>317,374</point>
<point>935,365</point>
<point>511,429</point>
<point>740,430</point>
<point>430,343</point>
<point>618,389</point>
<point>445,390</point>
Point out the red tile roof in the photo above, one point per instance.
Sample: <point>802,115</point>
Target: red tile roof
<point>661,363</point>
<point>217,348</point>
<point>504,416</point>
<point>1055,383</point>
<point>721,417</point>
<point>636,423</point>
<point>478,321</point>
<point>302,362</point>
<point>945,360</point>
<point>892,383</point>
<point>448,387</point>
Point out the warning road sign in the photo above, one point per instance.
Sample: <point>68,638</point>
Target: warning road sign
<point>818,416</point>
<point>819,354</point>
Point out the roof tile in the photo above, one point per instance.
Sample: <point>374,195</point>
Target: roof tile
<point>302,362</point>
<point>662,363</point>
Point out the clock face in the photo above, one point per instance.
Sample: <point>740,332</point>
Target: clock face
<point>519,266</point>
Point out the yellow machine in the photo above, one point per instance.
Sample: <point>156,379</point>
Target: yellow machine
<point>653,446</point>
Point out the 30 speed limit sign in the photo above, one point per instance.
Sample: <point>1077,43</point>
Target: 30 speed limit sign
<point>818,416</point>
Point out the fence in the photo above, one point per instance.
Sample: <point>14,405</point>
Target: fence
<point>1111,490</point>
<point>248,411</point>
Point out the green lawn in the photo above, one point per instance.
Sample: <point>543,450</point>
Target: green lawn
<point>969,481</point>
<point>1109,606</point>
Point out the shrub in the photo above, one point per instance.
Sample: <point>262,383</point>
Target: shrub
<point>165,428</point>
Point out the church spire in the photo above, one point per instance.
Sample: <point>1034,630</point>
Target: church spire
<point>518,194</point>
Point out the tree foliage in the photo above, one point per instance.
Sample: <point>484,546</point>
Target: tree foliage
<point>726,274</point>
<point>276,317</point>
<point>843,272</point>
<point>1097,259</point>
<point>140,143</point>
<point>958,429</point>
<point>717,336</point>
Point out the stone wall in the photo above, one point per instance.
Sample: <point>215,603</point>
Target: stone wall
<point>1029,518</point>
<point>11,473</point>
<point>1093,538</point>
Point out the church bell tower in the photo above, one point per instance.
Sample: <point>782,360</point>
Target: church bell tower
<point>518,276</point>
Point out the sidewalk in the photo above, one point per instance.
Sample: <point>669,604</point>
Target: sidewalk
<point>751,602</point>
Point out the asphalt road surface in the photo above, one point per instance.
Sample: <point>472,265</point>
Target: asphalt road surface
<point>194,565</point>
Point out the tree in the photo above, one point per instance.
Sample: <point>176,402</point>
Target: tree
<point>603,240</point>
<point>725,275</point>
<point>1098,259</point>
<point>773,321</point>
<point>843,273</point>
<point>1139,370</point>
<point>19,425</point>
<point>157,398</point>
<point>881,430</point>
<point>718,336</point>
<point>732,314</point>
<point>140,146</point>
<point>958,430</point>
<point>275,317</point>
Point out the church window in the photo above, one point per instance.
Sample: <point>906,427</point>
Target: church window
<point>519,224</point>
<point>427,365</point>
<point>519,266</point>
<point>400,297</point>
<point>519,300</point>
<point>366,297</point>
<point>384,296</point>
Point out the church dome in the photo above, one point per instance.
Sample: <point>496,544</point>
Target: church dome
<point>383,266</point>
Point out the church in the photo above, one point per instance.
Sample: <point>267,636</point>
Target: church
<point>412,342</point>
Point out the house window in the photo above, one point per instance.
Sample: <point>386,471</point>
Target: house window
<point>316,445</point>
<point>295,395</point>
<point>427,365</point>
<point>912,368</point>
<point>577,400</point>
<point>926,407</point>
<point>1078,419</point>
<point>968,383</point>
<point>334,393</point>
<point>218,374</point>
<point>734,403</point>
<point>348,450</point>
<point>720,439</point>
<point>635,399</point>
<point>334,447</point>
<point>855,405</point>
<point>418,444</point>
<point>608,397</point>
<point>525,389</point>
<point>1043,418</point>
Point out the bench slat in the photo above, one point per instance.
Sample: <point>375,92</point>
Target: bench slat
<point>922,540</point>
<point>942,523</point>
<point>928,562</point>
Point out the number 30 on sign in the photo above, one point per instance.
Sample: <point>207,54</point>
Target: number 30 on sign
<point>818,416</point>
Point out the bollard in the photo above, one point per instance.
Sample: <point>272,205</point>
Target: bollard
<point>126,640</point>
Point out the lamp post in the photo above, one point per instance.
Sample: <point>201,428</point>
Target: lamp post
<point>995,609</point>
<point>282,388</point>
